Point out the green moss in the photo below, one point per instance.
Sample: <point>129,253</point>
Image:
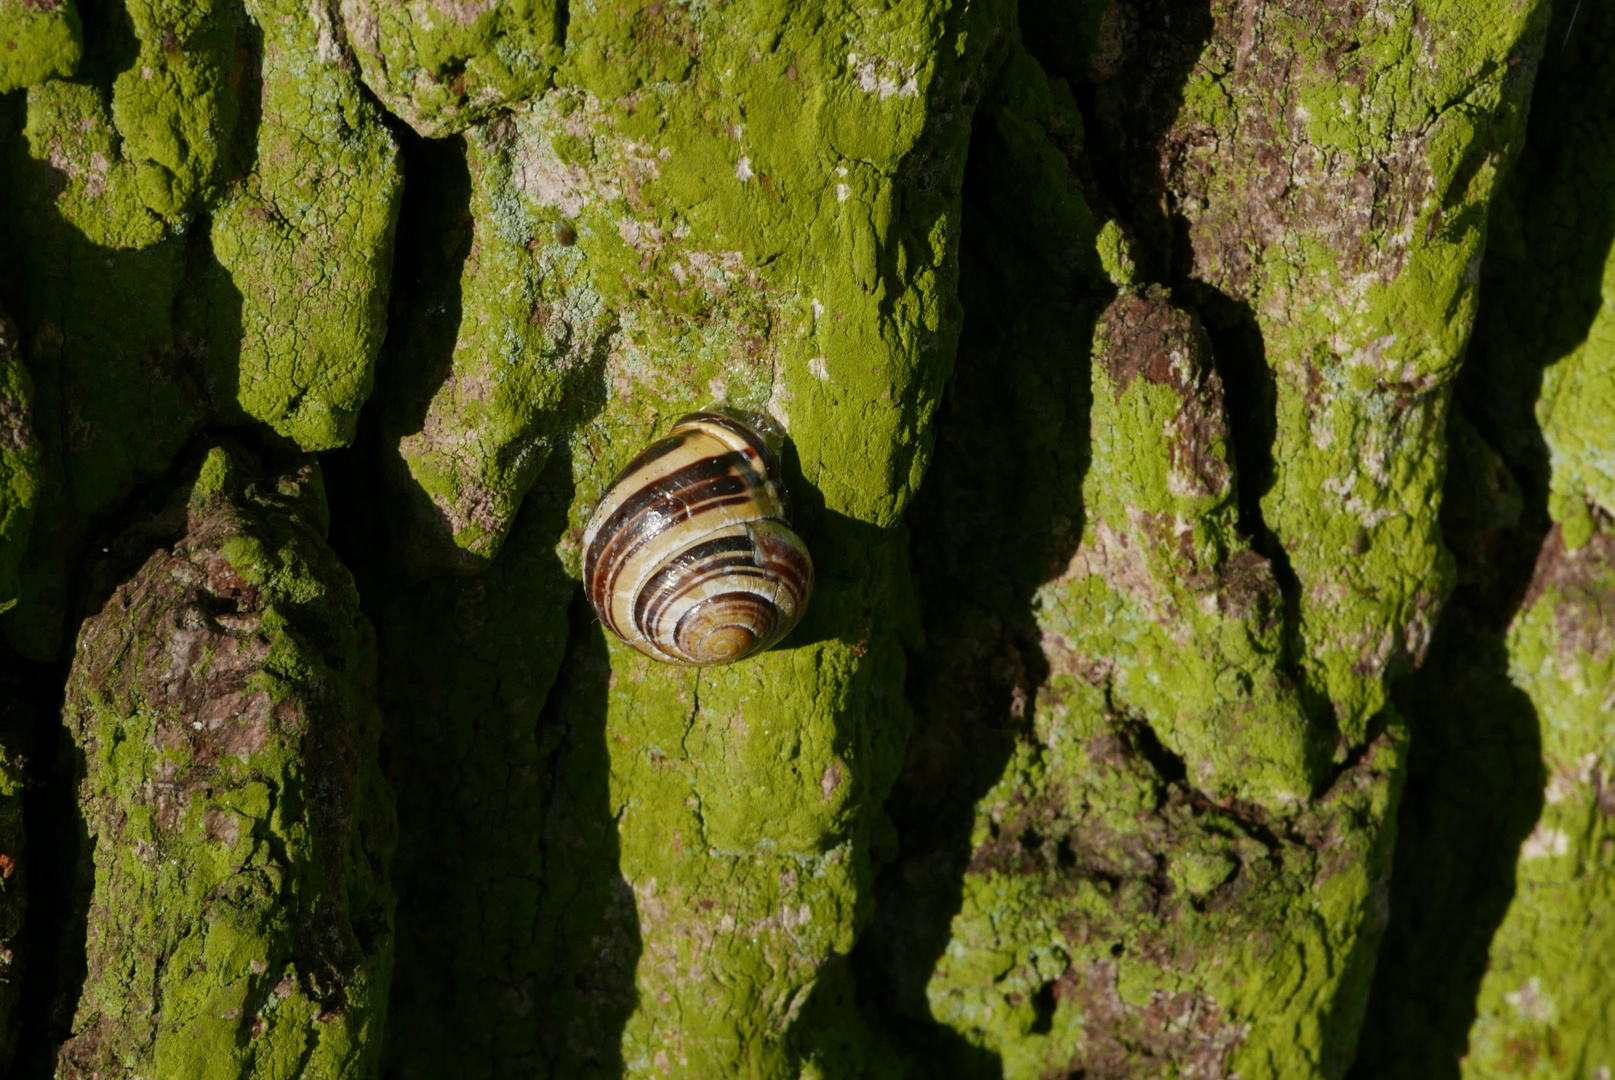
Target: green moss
<point>176,105</point>
<point>1503,872</point>
<point>38,42</point>
<point>71,136</point>
<point>104,180</point>
<point>137,158</point>
<point>114,395</point>
<point>215,474</point>
<point>703,256</point>
<point>1111,765</point>
<point>1363,316</point>
<point>224,703</point>
<point>742,811</point>
<point>1106,918</point>
<point>441,66</point>
<point>19,460</point>
<point>306,242</point>
<point>764,222</point>
<point>533,335</point>
<point>1162,594</point>
<point>1577,412</point>
<point>1542,1009</point>
<point>795,256</point>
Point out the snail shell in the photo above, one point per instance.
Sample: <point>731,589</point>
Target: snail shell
<point>690,557</point>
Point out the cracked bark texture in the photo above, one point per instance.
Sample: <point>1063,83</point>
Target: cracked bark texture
<point>223,701</point>
<point>1115,345</point>
<point>38,41</point>
<point>1509,802</point>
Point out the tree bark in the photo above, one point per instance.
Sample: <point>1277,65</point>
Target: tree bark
<point>1123,355</point>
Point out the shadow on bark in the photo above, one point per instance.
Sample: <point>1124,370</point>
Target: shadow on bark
<point>1476,776</point>
<point>125,346</point>
<point>52,945</point>
<point>1131,89</point>
<point>1000,511</point>
<point>423,321</point>
<point>435,234</point>
<point>975,529</point>
<point>517,935</point>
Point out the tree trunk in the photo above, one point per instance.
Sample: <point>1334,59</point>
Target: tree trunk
<point>1199,412</point>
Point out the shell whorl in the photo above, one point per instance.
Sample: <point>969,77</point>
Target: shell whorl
<point>690,557</point>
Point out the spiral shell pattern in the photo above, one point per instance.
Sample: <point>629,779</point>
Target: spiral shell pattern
<point>690,557</point>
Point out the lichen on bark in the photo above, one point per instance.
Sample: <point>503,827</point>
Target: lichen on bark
<point>445,64</point>
<point>1333,165</point>
<point>1163,599</point>
<point>143,326</point>
<point>304,241</point>
<point>1219,266</point>
<point>176,105</point>
<point>1542,1010</point>
<point>224,702</point>
<point>142,140</point>
<point>1155,869</point>
<point>729,207</point>
<point>1503,867</point>
<point>38,41</point>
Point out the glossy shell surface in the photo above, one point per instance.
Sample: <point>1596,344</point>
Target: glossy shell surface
<point>690,556</point>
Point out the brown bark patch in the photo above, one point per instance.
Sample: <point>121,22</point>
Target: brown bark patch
<point>1583,589</point>
<point>1265,181</point>
<point>1143,335</point>
<point>1182,1033</point>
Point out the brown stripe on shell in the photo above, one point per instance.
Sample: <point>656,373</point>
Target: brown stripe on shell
<point>731,576</point>
<point>662,459</point>
<point>672,578</point>
<point>767,462</point>
<point>609,578</point>
<point>758,445</point>
<point>723,600</point>
<point>672,500</point>
<point>697,511</point>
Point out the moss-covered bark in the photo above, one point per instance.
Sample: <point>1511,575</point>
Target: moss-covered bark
<point>1179,847</point>
<point>442,65</point>
<point>38,41</point>
<point>1503,870</point>
<point>744,208</point>
<point>146,321</point>
<point>305,241</point>
<point>114,401</point>
<point>224,702</point>
<point>1082,761</point>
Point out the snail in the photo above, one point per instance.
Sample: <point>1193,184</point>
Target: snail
<point>690,557</point>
